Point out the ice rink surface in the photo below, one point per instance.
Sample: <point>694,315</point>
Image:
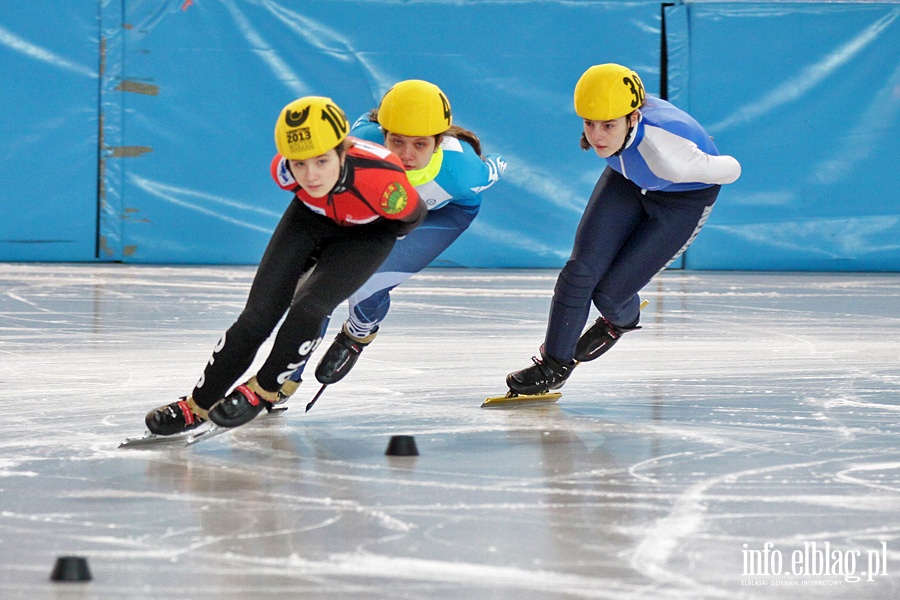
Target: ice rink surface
<point>743,444</point>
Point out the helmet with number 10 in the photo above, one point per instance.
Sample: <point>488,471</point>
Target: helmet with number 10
<point>607,92</point>
<point>310,126</point>
<point>415,108</point>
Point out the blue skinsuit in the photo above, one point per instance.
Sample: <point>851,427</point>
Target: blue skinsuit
<point>647,207</point>
<point>453,197</point>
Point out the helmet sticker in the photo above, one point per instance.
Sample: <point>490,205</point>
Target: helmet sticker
<point>296,119</point>
<point>299,139</point>
<point>334,116</point>
<point>446,104</point>
<point>637,90</point>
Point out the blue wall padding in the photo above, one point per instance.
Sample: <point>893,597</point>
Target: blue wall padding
<point>805,95</point>
<point>48,128</point>
<point>223,70</point>
<point>809,100</point>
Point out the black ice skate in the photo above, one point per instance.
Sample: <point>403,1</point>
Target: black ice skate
<point>544,375</point>
<point>177,417</point>
<point>242,405</point>
<point>599,338</point>
<point>341,356</point>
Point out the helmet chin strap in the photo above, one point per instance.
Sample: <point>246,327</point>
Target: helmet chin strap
<point>343,182</point>
<point>630,134</point>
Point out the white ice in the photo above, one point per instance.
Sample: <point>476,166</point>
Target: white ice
<point>751,409</point>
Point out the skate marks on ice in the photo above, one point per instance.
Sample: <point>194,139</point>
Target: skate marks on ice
<point>751,409</point>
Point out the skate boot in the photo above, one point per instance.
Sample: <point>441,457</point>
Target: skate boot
<point>544,375</point>
<point>341,356</point>
<point>599,338</point>
<point>288,388</point>
<point>177,417</point>
<point>242,405</point>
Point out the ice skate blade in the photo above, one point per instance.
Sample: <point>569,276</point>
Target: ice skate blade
<point>214,430</point>
<point>513,399</point>
<point>151,439</point>
<point>188,438</point>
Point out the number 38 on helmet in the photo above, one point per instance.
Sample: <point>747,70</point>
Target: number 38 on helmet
<point>609,91</point>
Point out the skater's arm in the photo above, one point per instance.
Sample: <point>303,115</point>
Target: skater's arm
<point>413,220</point>
<point>679,160</point>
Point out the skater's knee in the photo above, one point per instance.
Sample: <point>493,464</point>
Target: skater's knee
<point>255,325</point>
<point>577,273</point>
<point>314,307</point>
<point>575,282</point>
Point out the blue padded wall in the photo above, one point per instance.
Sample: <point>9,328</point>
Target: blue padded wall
<point>49,129</point>
<point>210,80</point>
<point>141,130</point>
<point>809,101</point>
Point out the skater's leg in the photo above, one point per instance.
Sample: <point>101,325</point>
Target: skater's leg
<point>673,222</point>
<point>370,304</point>
<point>270,296</point>
<point>613,211</point>
<point>346,261</point>
<point>293,382</point>
<point>345,264</point>
<point>611,214</point>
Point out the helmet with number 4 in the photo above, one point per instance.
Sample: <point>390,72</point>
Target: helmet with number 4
<point>310,126</point>
<point>415,108</point>
<point>607,92</point>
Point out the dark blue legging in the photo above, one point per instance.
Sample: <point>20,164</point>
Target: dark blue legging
<point>626,236</point>
<point>370,304</point>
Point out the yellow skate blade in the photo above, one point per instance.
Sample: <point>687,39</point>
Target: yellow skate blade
<point>512,399</point>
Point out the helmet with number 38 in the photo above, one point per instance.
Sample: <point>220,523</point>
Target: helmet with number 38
<point>310,126</point>
<point>607,92</point>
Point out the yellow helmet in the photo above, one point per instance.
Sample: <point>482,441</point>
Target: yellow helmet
<point>607,92</point>
<point>310,126</point>
<point>415,108</point>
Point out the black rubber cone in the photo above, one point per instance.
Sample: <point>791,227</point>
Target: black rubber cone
<point>71,568</point>
<point>402,445</point>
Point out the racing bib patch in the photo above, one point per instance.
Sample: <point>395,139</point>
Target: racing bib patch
<point>394,199</point>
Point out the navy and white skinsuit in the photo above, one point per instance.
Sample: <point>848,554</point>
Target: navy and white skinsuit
<point>647,207</point>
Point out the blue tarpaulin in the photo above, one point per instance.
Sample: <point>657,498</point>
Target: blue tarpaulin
<point>141,130</point>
